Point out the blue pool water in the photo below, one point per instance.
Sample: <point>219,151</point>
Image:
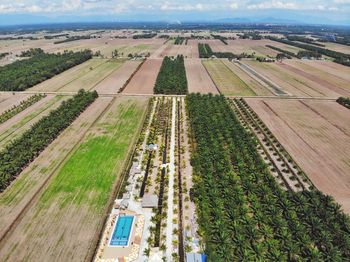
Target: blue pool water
<point>122,231</point>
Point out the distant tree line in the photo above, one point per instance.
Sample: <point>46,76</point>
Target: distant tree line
<point>73,38</point>
<point>304,40</point>
<point>287,53</point>
<point>339,57</point>
<point>179,40</point>
<point>54,36</point>
<point>171,78</point>
<point>149,35</point>
<point>205,51</point>
<point>2,55</point>
<point>23,150</point>
<point>31,52</point>
<point>23,74</point>
<point>345,101</point>
<point>221,38</point>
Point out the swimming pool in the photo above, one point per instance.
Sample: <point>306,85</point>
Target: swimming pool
<point>122,231</point>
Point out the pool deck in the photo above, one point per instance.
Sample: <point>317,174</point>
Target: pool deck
<point>130,252</point>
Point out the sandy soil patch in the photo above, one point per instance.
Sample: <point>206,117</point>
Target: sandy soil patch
<point>144,80</point>
<point>316,135</point>
<point>198,78</point>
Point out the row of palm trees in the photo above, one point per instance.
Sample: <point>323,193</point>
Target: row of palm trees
<point>19,108</point>
<point>26,73</point>
<point>243,214</point>
<point>23,150</point>
<point>171,79</point>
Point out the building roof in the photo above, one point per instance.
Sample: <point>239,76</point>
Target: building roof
<point>149,201</point>
<point>195,257</point>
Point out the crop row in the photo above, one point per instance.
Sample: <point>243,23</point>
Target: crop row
<point>20,152</point>
<point>23,74</point>
<point>271,150</point>
<point>243,214</point>
<point>19,108</point>
<point>171,78</point>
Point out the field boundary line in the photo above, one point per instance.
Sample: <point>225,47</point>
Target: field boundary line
<point>131,76</point>
<point>37,194</point>
<point>115,70</point>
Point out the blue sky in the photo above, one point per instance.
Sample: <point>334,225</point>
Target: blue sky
<point>314,11</point>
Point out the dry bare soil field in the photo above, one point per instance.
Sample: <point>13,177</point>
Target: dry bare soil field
<point>316,133</point>
<point>55,208</point>
<point>145,78</point>
<point>198,78</point>
<point>300,79</point>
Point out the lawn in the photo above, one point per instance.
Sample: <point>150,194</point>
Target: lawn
<point>226,80</point>
<point>89,174</point>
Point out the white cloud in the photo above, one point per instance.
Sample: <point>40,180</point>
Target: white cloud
<point>274,5</point>
<point>234,5</point>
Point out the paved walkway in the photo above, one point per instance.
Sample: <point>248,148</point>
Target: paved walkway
<point>170,213</point>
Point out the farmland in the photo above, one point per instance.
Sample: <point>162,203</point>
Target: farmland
<point>145,78</point>
<point>308,125</point>
<point>204,141</point>
<point>226,80</point>
<point>299,82</point>
<point>113,134</point>
<point>198,78</point>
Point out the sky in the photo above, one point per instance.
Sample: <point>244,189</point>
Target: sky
<point>311,11</point>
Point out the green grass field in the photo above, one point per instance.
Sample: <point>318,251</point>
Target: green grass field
<point>89,174</point>
<point>227,81</point>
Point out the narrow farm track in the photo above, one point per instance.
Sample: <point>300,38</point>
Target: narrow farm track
<point>66,142</point>
<point>171,165</point>
<point>181,249</point>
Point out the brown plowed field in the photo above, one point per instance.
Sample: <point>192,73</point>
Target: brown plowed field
<point>117,79</point>
<point>321,77</point>
<point>332,68</point>
<point>198,78</point>
<point>144,80</point>
<point>188,51</point>
<point>160,51</point>
<point>295,81</point>
<point>317,135</point>
<point>249,46</point>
